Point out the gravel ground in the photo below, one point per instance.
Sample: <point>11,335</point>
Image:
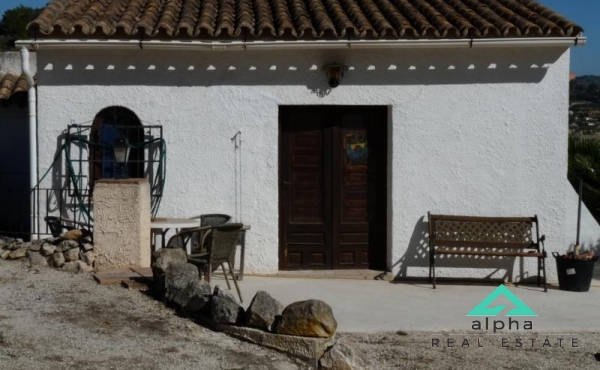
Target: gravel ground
<point>57,320</point>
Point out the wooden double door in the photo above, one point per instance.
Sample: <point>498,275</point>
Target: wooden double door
<point>332,191</point>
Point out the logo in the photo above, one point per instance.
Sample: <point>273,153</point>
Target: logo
<point>482,309</point>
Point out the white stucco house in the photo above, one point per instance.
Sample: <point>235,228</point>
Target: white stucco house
<point>332,128</point>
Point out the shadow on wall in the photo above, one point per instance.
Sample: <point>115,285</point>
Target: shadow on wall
<point>304,68</point>
<point>417,255</point>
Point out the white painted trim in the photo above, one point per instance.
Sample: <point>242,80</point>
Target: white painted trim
<point>33,173</point>
<point>209,45</point>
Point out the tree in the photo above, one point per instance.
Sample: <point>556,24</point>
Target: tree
<point>584,163</point>
<point>13,25</point>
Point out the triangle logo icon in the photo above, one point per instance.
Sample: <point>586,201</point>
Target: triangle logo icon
<point>483,309</point>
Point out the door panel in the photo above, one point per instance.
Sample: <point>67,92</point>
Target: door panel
<point>304,205</point>
<point>330,176</point>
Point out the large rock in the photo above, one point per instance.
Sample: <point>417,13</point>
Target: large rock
<point>86,247</point>
<point>262,311</point>
<point>18,253</point>
<point>58,259</point>
<point>66,245</point>
<point>74,234</point>
<point>225,310</point>
<point>343,355</point>
<point>161,259</point>
<point>4,254</point>
<point>36,258</point>
<point>312,318</point>
<point>198,304</point>
<point>48,249</point>
<point>182,283</point>
<point>84,267</point>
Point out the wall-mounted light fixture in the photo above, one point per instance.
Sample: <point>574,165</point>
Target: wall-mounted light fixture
<point>334,73</point>
<point>121,148</point>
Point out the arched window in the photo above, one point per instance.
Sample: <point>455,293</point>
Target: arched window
<point>112,124</point>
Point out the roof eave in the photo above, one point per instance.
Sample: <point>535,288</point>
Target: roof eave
<point>212,45</point>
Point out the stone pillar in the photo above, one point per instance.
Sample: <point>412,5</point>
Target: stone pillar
<point>122,223</point>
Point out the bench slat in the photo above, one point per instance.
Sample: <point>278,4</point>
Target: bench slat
<point>480,219</point>
<point>486,253</point>
<point>469,243</point>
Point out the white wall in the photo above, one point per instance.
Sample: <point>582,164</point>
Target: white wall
<point>472,131</point>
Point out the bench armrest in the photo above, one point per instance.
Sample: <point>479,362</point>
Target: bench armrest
<point>541,241</point>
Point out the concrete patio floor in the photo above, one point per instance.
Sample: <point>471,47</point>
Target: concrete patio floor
<point>378,305</point>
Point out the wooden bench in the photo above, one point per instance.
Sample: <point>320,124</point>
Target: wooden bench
<point>485,236</point>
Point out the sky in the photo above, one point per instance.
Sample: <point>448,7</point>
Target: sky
<point>584,60</point>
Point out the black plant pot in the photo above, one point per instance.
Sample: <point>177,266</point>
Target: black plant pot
<point>574,275</point>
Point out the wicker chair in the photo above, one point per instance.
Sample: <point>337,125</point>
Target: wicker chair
<point>217,249</point>
<point>209,219</point>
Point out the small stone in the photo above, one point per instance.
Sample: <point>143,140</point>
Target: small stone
<point>311,318</point>
<point>37,259</point>
<point>84,267</point>
<point>65,245</point>
<point>74,234</point>
<point>70,267</point>
<point>87,247</point>
<point>36,245</point>
<point>18,253</point>
<point>48,249</point>
<point>343,355</point>
<point>53,240</point>
<point>16,245</point>
<point>262,311</point>
<point>4,254</point>
<point>72,255</point>
<point>87,257</point>
<point>58,259</point>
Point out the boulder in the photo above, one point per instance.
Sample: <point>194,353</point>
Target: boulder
<point>18,253</point>
<point>74,234</point>
<point>4,254</point>
<point>161,259</point>
<point>262,311</point>
<point>219,292</point>
<point>58,259</point>
<point>86,247</point>
<point>182,283</point>
<point>71,266</point>
<point>343,355</point>
<point>48,249</point>
<point>36,258</point>
<point>198,304</point>
<point>66,245</point>
<point>311,318</point>
<point>72,255</point>
<point>225,310</point>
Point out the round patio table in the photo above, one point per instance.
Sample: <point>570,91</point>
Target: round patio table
<point>161,225</point>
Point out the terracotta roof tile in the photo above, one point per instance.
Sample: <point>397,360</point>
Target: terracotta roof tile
<point>303,18</point>
<point>12,87</point>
